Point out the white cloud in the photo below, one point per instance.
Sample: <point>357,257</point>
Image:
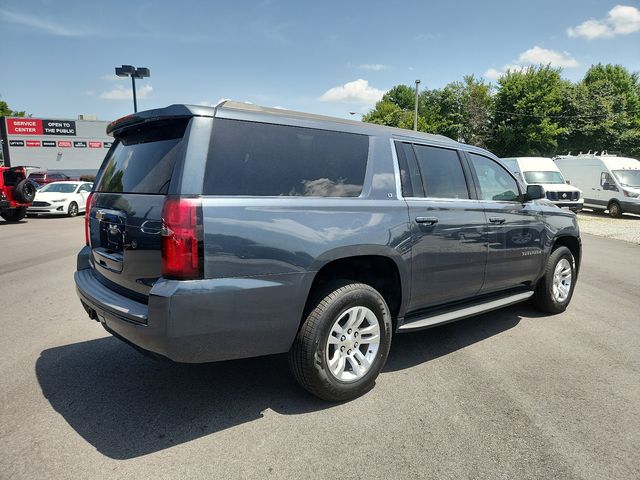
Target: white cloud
<point>358,91</point>
<point>534,56</point>
<point>112,77</point>
<point>620,20</point>
<point>493,74</point>
<point>376,67</point>
<point>427,36</point>
<point>538,55</point>
<point>46,26</point>
<point>122,93</point>
<point>206,103</point>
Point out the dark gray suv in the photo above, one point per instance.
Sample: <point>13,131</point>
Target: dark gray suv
<point>239,231</point>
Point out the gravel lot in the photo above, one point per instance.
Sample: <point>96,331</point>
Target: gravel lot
<point>626,228</point>
<point>506,395</point>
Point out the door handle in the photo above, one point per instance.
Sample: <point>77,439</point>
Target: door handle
<point>498,220</point>
<point>427,220</point>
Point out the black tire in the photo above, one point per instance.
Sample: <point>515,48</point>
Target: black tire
<point>72,211</point>
<point>307,357</point>
<point>14,214</point>
<point>615,210</point>
<point>24,191</point>
<point>543,298</point>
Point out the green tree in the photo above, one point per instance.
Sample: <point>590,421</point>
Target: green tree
<point>5,111</point>
<point>604,111</point>
<point>395,109</point>
<point>528,112</point>
<point>460,110</point>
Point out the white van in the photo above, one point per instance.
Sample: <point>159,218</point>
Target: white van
<point>543,171</point>
<point>608,182</point>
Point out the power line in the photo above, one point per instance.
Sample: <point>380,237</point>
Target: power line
<point>603,115</point>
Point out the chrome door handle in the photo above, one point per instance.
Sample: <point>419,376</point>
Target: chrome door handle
<point>427,220</point>
<point>498,220</point>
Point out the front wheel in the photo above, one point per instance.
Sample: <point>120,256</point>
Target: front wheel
<point>73,209</point>
<point>14,214</point>
<point>343,343</point>
<point>555,289</point>
<point>615,210</point>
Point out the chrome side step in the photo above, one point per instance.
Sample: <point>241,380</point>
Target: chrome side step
<point>464,312</point>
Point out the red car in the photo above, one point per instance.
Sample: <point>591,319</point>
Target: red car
<point>16,193</point>
<point>44,178</point>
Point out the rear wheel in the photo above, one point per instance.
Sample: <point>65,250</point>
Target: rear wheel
<point>555,289</point>
<point>343,343</point>
<point>615,210</point>
<point>14,214</point>
<point>73,209</point>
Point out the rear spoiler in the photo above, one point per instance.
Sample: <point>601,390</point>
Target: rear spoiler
<point>170,112</point>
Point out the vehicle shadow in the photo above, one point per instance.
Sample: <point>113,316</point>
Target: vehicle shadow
<point>127,405</point>
<point>4,222</point>
<point>413,348</point>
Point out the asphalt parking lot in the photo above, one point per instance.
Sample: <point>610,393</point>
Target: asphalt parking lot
<point>510,394</point>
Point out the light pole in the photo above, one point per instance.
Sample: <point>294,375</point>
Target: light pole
<point>133,72</point>
<point>415,112</point>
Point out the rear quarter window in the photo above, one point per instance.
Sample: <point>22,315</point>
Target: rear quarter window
<point>260,159</point>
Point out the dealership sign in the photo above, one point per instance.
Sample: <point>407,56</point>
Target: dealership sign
<point>36,126</point>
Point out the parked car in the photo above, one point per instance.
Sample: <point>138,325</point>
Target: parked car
<point>239,231</point>
<point>16,193</point>
<point>543,171</point>
<point>61,198</point>
<point>608,181</point>
<point>44,178</point>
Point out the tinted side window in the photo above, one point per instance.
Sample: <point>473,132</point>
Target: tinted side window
<point>442,172</point>
<point>261,159</point>
<point>494,181</point>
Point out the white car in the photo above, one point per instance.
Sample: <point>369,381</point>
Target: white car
<point>61,198</point>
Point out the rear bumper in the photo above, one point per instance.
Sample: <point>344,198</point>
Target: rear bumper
<point>200,320</point>
<point>6,205</point>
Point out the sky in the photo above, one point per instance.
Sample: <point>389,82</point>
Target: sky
<point>328,57</point>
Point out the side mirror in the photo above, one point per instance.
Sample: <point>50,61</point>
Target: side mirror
<point>568,182</point>
<point>534,192</point>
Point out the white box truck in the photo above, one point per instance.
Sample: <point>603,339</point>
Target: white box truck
<point>543,171</point>
<point>609,182</point>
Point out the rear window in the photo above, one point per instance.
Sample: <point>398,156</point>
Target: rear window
<point>142,159</point>
<point>259,159</point>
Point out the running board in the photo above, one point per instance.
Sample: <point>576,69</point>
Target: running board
<point>433,319</point>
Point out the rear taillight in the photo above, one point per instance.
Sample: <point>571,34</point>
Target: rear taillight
<point>87,215</point>
<point>182,256</point>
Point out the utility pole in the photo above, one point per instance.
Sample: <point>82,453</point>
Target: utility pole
<point>415,112</point>
<point>133,72</point>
